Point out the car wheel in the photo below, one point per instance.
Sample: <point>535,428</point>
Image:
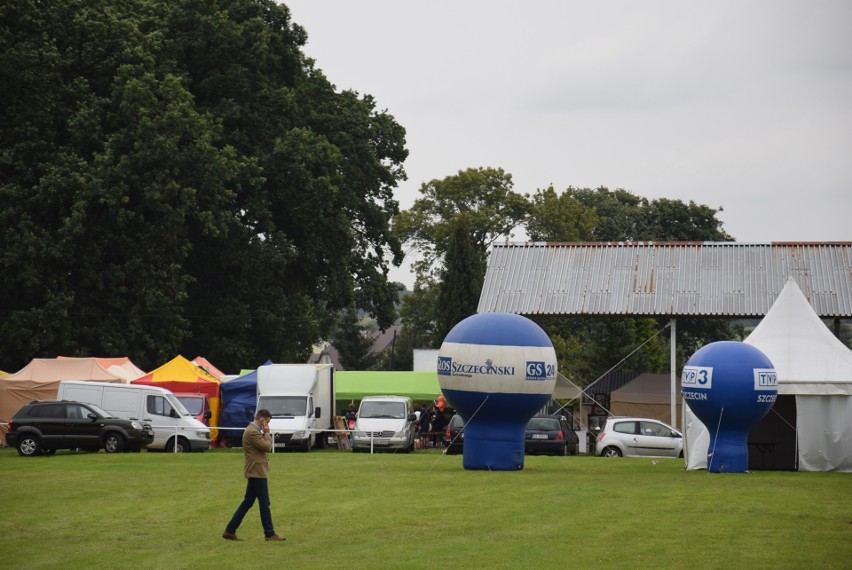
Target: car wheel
<point>113,443</point>
<point>29,446</point>
<point>611,452</point>
<point>182,446</point>
<point>564,450</point>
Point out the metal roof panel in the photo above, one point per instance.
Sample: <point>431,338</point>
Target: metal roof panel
<point>665,278</point>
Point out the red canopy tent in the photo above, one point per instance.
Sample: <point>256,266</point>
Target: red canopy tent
<point>181,375</point>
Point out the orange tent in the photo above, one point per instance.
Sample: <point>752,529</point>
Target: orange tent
<point>120,366</point>
<point>181,375</point>
<point>207,366</point>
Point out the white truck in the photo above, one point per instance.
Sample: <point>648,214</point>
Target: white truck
<point>300,398</point>
<point>174,427</point>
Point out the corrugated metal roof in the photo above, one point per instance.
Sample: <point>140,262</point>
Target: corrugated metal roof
<point>664,278</point>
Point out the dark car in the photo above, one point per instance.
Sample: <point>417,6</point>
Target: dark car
<point>40,428</point>
<point>550,434</point>
<point>453,437</point>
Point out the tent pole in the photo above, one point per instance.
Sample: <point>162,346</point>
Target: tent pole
<point>673,359</point>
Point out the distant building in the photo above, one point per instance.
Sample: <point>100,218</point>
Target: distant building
<point>425,360</point>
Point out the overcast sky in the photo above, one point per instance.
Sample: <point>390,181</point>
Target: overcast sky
<point>741,104</point>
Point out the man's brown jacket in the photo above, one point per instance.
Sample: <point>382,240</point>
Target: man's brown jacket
<point>256,445</point>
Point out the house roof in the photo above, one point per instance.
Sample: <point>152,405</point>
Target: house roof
<point>664,278</point>
<point>383,339</point>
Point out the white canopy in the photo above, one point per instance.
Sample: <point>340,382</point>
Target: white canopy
<point>815,367</point>
<point>807,356</point>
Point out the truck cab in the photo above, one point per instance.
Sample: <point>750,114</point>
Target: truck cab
<point>198,405</point>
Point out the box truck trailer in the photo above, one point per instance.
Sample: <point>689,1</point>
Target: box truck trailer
<point>300,398</point>
<point>174,427</point>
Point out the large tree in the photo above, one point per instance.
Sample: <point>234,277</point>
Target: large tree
<point>461,278</point>
<point>483,195</point>
<point>483,198</point>
<point>177,176</point>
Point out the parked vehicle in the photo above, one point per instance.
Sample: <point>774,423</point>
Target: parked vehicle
<point>638,437</point>
<point>300,398</point>
<point>40,428</point>
<point>174,428</point>
<point>454,436</point>
<point>550,434</point>
<point>198,405</point>
<point>384,423</point>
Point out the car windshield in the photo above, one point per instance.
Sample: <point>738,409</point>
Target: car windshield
<point>390,410</point>
<point>283,406</point>
<point>193,404</point>
<point>543,424</point>
<point>181,410</point>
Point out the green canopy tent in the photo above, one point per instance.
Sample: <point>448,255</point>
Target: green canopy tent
<point>354,385</point>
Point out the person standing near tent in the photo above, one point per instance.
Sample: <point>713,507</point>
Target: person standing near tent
<point>438,424</point>
<point>351,416</point>
<point>423,423</point>
<point>257,442</point>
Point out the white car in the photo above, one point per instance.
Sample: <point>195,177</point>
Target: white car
<point>638,437</point>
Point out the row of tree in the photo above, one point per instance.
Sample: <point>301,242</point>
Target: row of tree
<point>178,177</point>
<point>457,219</point>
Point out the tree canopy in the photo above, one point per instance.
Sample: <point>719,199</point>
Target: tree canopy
<point>560,217</point>
<point>177,176</point>
<point>461,278</point>
<point>483,195</point>
<point>623,216</point>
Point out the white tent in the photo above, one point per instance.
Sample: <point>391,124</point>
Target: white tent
<point>815,368</point>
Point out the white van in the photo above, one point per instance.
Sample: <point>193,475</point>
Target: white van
<point>173,425</point>
<point>384,422</point>
<point>300,398</point>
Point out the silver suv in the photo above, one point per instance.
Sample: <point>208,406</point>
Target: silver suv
<point>638,437</point>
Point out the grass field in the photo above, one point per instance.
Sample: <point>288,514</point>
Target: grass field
<point>423,510</point>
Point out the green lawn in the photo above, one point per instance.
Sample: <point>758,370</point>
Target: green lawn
<point>342,510</point>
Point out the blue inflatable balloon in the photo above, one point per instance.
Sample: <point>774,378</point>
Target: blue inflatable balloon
<point>497,370</point>
<point>729,386</point>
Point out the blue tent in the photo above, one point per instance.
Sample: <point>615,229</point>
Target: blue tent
<point>239,399</point>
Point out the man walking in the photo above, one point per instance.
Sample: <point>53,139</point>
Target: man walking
<point>257,442</point>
